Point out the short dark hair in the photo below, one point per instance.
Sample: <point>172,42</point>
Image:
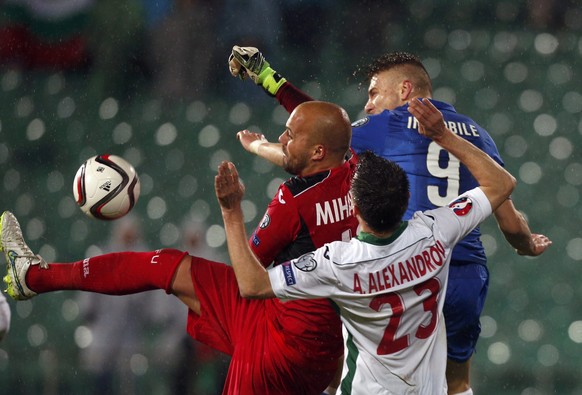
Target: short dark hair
<point>396,59</point>
<point>380,190</point>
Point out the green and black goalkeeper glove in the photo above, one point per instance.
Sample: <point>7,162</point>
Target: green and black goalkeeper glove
<point>249,61</point>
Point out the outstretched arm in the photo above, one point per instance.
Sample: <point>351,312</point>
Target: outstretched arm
<point>249,62</point>
<point>516,231</point>
<point>494,180</point>
<point>257,144</point>
<point>253,279</point>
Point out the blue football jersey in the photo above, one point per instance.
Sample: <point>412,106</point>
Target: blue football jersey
<point>435,177</point>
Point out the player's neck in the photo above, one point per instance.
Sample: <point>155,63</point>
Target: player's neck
<point>319,167</point>
<point>364,227</point>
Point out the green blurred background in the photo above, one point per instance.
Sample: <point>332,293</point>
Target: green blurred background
<point>513,66</point>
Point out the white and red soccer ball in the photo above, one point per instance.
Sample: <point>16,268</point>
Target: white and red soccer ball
<point>106,187</point>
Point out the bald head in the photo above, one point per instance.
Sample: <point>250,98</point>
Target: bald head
<point>317,138</point>
<point>328,125</point>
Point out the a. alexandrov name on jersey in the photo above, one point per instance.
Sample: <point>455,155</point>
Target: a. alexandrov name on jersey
<point>460,128</point>
<point>397,273</point>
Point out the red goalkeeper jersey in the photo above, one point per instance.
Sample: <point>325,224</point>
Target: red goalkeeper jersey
<point>279,348</point>
<point>306,213</point>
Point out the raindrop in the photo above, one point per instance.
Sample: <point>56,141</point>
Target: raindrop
<point>545,43</point>
<point>108,108</point>
<point>122,133</point>
<point>196,111</point>
<point>499,353</point>
<point>530,330</point>
<point>548,355</point>
<point>166,134</point>
<point>249,210</point>
<point>515,72</point>
<point>35,129</point>
<point>545,125</point>
<point>169,234</point>
<point>239,114</point>
<point>530,100</point>
<point>36,335</point>
<point>530,173</point>
<point>215,236</point>
<point>488,326</point>
<point>561,148</point>
<point>66,108</point>
<point>83,337</point>
<point>575,331</point>
<point>156,207</point>
<point>208,136</point>
<point>574,249</point>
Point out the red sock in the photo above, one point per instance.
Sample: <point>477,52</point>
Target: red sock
<point>118,273</point>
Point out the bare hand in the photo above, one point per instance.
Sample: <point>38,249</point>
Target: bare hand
<point>229,190</point>
<point>430,120</point>
<point>250,140</point>
<point>538,244</point>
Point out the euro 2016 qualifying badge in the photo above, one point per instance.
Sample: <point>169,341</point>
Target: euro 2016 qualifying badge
<point>461,206</point>
<point>305,263</point>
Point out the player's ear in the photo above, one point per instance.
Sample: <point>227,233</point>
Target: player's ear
<point>319,152</point>
<point>356,211</point>
<point>406,88</point>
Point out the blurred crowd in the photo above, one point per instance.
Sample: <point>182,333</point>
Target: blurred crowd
<point>177,48</point>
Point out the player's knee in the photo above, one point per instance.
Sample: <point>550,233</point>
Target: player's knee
<point>182,280</point>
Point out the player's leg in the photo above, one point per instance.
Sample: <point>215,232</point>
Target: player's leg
<point>458,377</point>
<point>263,361</point>
<point>465,298</point>
<point>183,287</point>
<point>114,274</point>
<point>336,381</point>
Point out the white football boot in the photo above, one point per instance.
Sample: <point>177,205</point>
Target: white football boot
<point>19,257</point>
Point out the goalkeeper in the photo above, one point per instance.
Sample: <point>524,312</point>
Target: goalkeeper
<point>390,131</point>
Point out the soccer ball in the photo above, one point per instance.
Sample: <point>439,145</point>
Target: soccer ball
<point>106,187</point>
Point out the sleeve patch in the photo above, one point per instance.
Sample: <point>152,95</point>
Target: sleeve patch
<point>461,206</point>
<point>256,240</point>
<point>360,122</point>
<point>288,273</point>
<point>265,222</point>
<point>305,263</point>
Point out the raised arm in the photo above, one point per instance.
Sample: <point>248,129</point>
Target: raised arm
<point>249,62</point>
<point>493,179</point>
<point>253,279</point>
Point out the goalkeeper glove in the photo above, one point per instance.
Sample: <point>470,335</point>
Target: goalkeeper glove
<point>248,61</point>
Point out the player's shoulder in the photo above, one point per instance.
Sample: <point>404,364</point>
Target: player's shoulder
<point>451,113</point>
<point>341,253</point>
<point>297,185</point>
<point>457,208</point>
<point>373,119</point>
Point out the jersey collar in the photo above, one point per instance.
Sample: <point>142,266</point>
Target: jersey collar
<point>440,105</point>
<point>371,239</point>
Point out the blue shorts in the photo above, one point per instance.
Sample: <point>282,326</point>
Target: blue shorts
<point>464,302</point>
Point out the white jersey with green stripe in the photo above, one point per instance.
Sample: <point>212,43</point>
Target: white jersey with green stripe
<point>390,295</point>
